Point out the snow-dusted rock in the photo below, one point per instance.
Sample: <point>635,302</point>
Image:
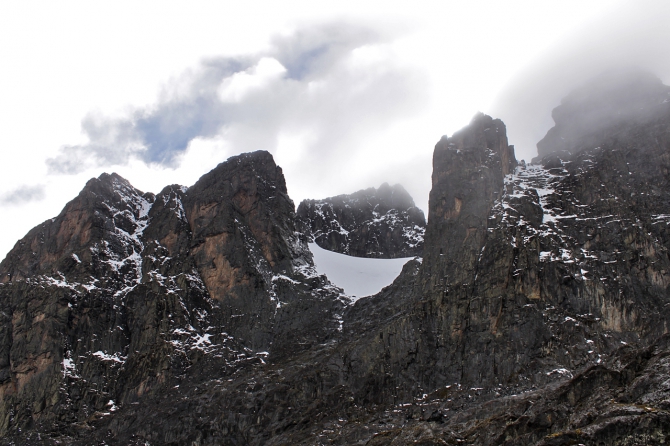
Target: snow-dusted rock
<point>378,223</point>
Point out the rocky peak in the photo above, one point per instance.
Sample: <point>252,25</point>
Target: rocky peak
<point>483,132</point>
<point>468,172</point>
<point>377,223</point>
<point>247,191</point>
<point>604,107</point>
<point>106,217</point>
<point>393,197</point>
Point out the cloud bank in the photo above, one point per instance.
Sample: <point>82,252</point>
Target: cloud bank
<point>22,195</point>
<point>313,91</point>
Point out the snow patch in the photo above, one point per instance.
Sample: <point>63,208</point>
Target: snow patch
<point>116,357</point>
<point>69,369</point>
<point>357,276</point>
<point>561,371</point>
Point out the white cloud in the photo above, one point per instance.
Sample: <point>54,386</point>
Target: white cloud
<point>261,75</point>
<point>311,98</point>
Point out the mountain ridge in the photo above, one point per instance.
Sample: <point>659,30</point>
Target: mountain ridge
<point>537,314</point>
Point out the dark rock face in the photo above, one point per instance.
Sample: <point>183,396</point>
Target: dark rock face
<point>538,314</point>
<point>379,223</point>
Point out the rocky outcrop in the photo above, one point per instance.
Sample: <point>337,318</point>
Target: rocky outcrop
<point>379,223</point>
<point>436,343</point>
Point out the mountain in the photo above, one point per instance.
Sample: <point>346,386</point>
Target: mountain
<point>378,223</point>
<point>125,294</point>
<point>538,313</point>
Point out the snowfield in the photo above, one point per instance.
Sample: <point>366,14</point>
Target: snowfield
<point>358,276</point>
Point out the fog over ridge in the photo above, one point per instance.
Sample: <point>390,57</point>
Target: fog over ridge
<point>633,36</point>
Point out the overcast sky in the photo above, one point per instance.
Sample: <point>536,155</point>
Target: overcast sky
<point>346,94</point>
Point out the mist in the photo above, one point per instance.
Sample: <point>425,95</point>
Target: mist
<point>633,36</point>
